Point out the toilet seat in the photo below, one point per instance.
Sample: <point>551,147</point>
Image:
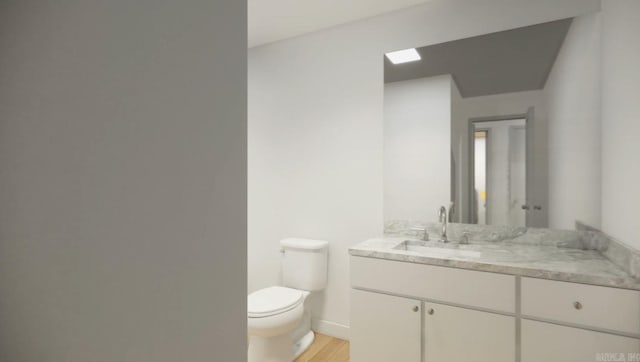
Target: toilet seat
<point>273,301</point>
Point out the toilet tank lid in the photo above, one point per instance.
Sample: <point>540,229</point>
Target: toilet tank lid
<point>307,244</point>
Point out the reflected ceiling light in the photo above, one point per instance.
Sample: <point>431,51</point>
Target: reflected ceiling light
<point>403,56</point>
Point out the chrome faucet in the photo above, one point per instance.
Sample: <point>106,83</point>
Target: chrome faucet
<point>442,215</point>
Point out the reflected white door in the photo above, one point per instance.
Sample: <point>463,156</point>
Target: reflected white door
<point>480,179</point>
<point>500,193</point>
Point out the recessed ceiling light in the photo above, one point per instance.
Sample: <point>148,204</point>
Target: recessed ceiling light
<point>403,56</point>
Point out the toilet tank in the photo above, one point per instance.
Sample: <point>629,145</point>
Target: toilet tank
<point>304,263</point>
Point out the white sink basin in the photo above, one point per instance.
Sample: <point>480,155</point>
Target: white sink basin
<point>430,249</point>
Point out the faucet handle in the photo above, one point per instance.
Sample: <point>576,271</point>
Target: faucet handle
<point>425,235</point>
<point>465,238</point>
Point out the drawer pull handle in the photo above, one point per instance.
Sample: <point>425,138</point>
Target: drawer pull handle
<point>577,305</point>
<point>415,308</point>
<point>431,311</point>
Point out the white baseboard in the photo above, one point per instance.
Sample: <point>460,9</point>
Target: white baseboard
<point>330,328</point>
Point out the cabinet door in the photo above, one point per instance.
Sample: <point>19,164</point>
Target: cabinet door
<point>454,334</point>
<point>384,328</point>
<point>553,343</point>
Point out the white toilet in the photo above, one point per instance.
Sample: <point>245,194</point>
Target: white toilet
<point>279,325</point>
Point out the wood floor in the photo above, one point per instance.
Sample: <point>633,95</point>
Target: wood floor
<point>325,349</point>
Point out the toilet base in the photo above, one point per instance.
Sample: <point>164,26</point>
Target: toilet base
<point>279,348</point>
<point>302,344</point>
<point>271,349</point>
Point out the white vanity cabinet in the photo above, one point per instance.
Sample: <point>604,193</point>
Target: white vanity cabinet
<point>385,328</point>
<point>386,325</point>
<point>413,312</point>
<point>453,334</point>
<point>390,328</point>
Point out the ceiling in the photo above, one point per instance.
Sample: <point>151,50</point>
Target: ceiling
<point>272,20</point>
<point>507,61</point>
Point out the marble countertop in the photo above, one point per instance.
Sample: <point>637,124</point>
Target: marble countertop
<point>530,260</point>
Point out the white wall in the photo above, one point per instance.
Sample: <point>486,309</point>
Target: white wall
<point>417,131</point>
<point>316,128</point>
<point>504,104</point>
<point>459,139</point>
<point>573,104</point>
<point>122,181</point>
<point>620,119</point>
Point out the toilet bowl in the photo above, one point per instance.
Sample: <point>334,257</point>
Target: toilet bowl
<point>274,310</point>
<point>278,324</point>
<point>274,313</point>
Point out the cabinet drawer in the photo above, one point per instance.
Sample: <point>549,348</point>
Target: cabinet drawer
<point>553,343</point>
<point>601,307</point>
<point>465,287</point>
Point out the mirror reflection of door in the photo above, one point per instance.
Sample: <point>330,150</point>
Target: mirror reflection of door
<point>480,177</point>
<point>499,172</point>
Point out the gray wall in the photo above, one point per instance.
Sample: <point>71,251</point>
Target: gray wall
<point>122,180</point>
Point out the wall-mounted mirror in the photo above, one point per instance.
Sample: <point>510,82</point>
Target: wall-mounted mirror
<point>500,128</point>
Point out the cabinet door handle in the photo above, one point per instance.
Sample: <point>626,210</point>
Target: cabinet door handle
<point>431,311</point>
<point>577,305</point>
<point>415,308</point>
